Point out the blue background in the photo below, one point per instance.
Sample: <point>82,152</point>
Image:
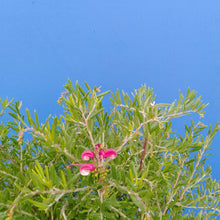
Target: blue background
<point>169,45</point>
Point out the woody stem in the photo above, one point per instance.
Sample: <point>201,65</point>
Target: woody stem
<point>143,153</point>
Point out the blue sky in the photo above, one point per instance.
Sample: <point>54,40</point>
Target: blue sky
<point>169,45</point>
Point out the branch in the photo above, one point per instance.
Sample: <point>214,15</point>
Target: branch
<point>179,113</point>
<point>57,191</point>
<point>31,129</point>
<point>83,198</point>
<point>42,135</point>
<point>130,108</point>
<point>137,196</point>
<point>171,195</point>
<point>161,117</point>
<point>28,214</point>
<point>158,205</point>
<point>101,200</point>
<point>123,215</point>
<point>8,174</point>
<point>134,132</point>
<point>11,211</point>
<point>8,155</point>
<point>63,210</point>
<point>64,151</point>
<point>86,123</point>
<point>190,178</point>
<point>143,153</point>
<point>199,207</point>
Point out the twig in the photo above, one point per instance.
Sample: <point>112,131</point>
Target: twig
<point>130,108</point>
<point>63,210</point>
<point>171,195</point>
<point>83,198</point>
<point>11,211</point>
<point>101,200</point>
<point>161,117</point>
<point>53,159</point>
<point>199,207</point>
<point>158,205</point>
<point>9,157</point>
<point>148,181</point>
<point>137,196</point>
<point>28,214</point>
<point>21,164</point>
<point>3,204</point>
<point>31,129</point>
<point>190,178</point>
<point>175,114</point>
<point>8,174</point>
<point>56,191</point>
<point>176,182</point>
<point>64,151</point>
<point>143,153</point>
<point>123,215</point>
<point>86,123</point>
<point>134,132</point>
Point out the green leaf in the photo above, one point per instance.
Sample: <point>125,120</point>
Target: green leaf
<point>118,96</point>
<point>30,120</point>
<point>137,202</point>
<point>52,174</point>
<point>36,119</point>
<point>87,86</point>
<point>72,180</point>
<point>63,178</point>
<point>103,93</point>
<point>95,113</point>
<point>40,205</point>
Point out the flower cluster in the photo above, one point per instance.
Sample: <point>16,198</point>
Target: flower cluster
<point>99,155</point>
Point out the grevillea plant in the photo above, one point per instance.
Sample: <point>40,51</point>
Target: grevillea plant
<point>122,161</point>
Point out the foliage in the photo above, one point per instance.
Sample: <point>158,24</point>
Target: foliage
<point>157,174</point>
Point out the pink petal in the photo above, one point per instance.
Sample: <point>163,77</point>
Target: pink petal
<point>86,168</point>
<point>87,154</point>
<point>98,145</point>
<point>84,172</point>
<point>110,153</point>
<point>73,165</point>
<point>101,153</point>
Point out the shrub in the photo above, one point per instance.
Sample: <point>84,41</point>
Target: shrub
<point>123,163</point>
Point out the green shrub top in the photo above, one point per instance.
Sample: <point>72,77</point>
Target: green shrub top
<point>93,163</point>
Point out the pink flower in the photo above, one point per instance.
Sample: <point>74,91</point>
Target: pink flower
<point>110,153</point>
<point>84,168</point>
<point>87,154</point>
